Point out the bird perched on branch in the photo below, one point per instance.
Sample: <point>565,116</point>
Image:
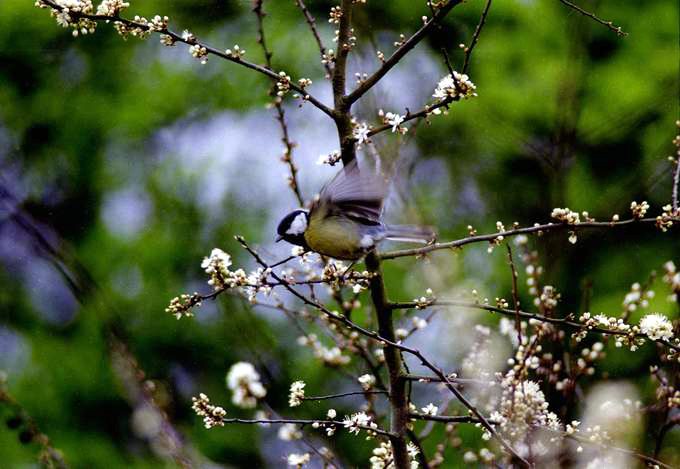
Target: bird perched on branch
<point>346,220</point>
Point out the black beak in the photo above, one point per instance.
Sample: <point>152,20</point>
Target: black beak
<point>278,238</point>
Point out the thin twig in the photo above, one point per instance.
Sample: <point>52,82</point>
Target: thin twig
<point>342,394</point>
<point>303,422</point>
<point>287,157</point>
<point>398,54</point>
<point>315,32</point>
<point>608,24</point>
<point>193,41</point>
<point>409,116</point>
<point>642,457</point>
<point>50,456</point>
<point>515,295</point>
<point>446,418</point>
<point>518,231</point>
<point>676,183</point>
<point>525,315</point>
<point>475,36</point>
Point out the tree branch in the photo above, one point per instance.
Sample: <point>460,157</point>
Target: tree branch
<point>523,314</point>
<point>342,394</point>
<point>608,24</point>
<point>303,422</point>
<point>475,36</point>
<point>210,50</point>
<point>394,59</point>
<point>280,112</point>
<point>398,398</point>
<point>312,26</point>
<point>528,230</point>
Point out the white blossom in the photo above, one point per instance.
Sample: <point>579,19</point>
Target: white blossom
<point>356,422</point>
<point>289,432</point>
<point>244,382</point>
<point>656,326</point>
<point>298,460</point>
<point>395,121</point>
<point>454,87</point>
<point>212,415</point>
<point>111,7</point>
<point>367,381</point>
<point>360,132</point>
<point>297,393</point>
<point>430,409</point>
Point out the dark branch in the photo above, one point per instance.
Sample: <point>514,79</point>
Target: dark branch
<point>528,230</point>
<point>312,26</point>
<point>404,49</point>
<point>475,36</point>
<point>608,24</point>
<point>211,50</point>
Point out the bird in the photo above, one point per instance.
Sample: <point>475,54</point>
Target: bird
<point>345,220</point>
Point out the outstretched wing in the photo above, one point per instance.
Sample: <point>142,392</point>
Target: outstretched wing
<point>355,194</point>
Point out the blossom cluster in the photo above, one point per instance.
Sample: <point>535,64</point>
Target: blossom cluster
<point>639,210</point>
<point>359,421</point>
<point>297,393</point>
<point>330,159</point>
<point>565,215</point>
<point>656,326</point>
<point>394,120</point>
<point>332,356</point>
<point>244,382</point>
<point>454,87</point>
<point>70,15</point>
<point>522,408</point>
<point>112,7</point>
<point>181,306</point>
<point>221,277</point>
<point>627,334</point>
<point>384,459</point>
<point>665,220</point>
<point>212,415</point>
<point>672,278</point>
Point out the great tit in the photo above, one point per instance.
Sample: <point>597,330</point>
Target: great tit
<point>345,222</point>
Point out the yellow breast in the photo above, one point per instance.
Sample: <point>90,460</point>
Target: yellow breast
<point>334,237</point>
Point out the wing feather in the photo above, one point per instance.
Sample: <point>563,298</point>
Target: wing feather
<point>354,193</point>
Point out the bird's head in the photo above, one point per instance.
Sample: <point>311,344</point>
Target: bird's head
<point>292,228</point>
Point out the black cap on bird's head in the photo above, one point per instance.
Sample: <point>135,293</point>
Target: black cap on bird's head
<point>292,228</point>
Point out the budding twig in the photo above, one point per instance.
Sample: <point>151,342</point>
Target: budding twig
<point>398,54</point>
<point>525,315</point>
<point>518,231</point>
<point>210,50</point>
<point>342,394</point>
<point>311,22</point>
<point>475,36</point>
<point>280,112</point>
<point>608,24</point>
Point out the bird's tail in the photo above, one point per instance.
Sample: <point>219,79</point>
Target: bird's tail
<point>410,233</point>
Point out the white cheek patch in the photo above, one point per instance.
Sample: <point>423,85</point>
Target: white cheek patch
<point>367,241</point>
<point>298,226</point>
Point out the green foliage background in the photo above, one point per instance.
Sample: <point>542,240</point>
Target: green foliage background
<point>568,114</point>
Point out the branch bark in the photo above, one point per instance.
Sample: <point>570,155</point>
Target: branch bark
<point>399,413</point>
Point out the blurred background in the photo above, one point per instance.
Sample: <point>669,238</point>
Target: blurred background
<point>123,163</point>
